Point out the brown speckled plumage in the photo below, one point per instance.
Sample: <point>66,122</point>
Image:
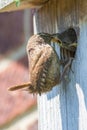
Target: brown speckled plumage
<point>44,68</point>
<point>44,63</point>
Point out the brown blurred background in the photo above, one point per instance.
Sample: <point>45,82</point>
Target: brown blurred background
<point>17,109</point>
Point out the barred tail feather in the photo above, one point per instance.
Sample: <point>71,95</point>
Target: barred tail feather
<point>16,87</point>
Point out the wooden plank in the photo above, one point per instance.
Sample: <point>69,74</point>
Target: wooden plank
<point>65,107</point>
<point>10,5</point>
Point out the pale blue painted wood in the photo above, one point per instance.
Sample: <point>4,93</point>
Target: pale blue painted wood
<point>76,91</point>
<point>65,107</point>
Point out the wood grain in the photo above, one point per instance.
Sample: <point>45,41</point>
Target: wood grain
<point>10,5</point>
<point>65,107</point>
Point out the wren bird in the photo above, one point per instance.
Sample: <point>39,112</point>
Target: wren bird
<point>67,41</point>
<point>44,63</point>
<point>44,67</point>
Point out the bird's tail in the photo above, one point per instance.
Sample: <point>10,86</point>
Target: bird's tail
<point>16,87</point>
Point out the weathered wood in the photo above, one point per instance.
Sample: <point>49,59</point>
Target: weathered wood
<point>65,107</point>
<point>9,5</point>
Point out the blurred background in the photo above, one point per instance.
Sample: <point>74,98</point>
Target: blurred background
<point>18,110</point>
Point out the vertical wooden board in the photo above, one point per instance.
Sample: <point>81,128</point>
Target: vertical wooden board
<point>65,107</point>
<point>76,91</point>
<point>50,105</point>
